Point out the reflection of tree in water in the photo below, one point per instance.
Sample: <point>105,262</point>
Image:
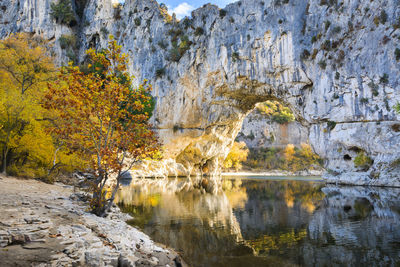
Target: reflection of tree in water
<point>266,223</point>
<point>265,243</point>
<point>275,215</point>
<point>202,225</point>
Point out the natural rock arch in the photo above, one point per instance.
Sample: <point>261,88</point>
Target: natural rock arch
<point>340,79</point>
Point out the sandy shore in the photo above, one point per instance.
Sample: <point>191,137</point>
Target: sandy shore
<point>48,225</point>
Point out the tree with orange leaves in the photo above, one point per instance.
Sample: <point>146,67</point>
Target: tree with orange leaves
<point>101,116</point>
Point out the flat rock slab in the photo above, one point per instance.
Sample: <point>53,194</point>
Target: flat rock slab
<point>42,224</point>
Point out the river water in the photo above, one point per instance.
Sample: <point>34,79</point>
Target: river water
<point>267,221</point>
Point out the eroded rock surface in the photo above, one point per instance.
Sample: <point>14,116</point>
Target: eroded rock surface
<point>333,62</point>
<point>48,225</point>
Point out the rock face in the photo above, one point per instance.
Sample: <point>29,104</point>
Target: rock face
<point>258,131</point>
<point>332,62</point>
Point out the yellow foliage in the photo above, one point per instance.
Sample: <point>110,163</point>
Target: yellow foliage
<point>289,152</point>
<point>236,156</point>
<point>290,158</point>
<point>276,111</point>
<point>25,69</point>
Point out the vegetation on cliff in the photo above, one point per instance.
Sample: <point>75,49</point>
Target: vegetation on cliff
<point>276,111</point>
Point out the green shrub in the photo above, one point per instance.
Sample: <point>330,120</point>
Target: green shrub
<point>222,13</point>
<point>322,64</point>
<point>67,41</point>
<point>376,21</point>
<point>314,53</point>
<point>178,51</point>
<point>305,54</point>
<point>313,39</point>
<point>383,17</point>
<point>384,79</point>
<point>374,87</point>
<point>337,29</point>
<point>160,72</point>
<point>327,24</point>
<point>397,54</point>
<point>138,21</point>
<point>62,12</point>
<point>397,107</point>
<point>174,54</point>
<point>186,23</point>
<point>199,31</point>
<point>362,161</point>
<point>326,45</point>
<point>331,125</point>
<point>235,56</point>
<point>364,100</point>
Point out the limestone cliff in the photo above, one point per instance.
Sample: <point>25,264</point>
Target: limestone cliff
<point>259,131</point>
<point>334,62</point>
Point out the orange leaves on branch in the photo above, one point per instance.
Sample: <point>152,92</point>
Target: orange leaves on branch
<point>99,114</point>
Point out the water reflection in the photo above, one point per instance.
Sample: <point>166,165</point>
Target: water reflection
<point>263,222</point>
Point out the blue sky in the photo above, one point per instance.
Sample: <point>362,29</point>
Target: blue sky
<point>184,8</point>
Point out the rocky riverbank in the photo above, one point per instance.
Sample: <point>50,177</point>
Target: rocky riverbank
<point>275,173</point>
<point>48,225</point>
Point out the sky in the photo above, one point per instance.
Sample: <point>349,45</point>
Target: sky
<point>184,8</point>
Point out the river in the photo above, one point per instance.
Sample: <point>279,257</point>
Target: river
<point>269,221</point>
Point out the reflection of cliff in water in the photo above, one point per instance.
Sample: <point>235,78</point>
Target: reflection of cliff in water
<point>266,223</point>
<point>355,226</point>
<point>200,224</point>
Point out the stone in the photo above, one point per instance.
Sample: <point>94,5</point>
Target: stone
<point>127,261</point>
<point>19,239</point>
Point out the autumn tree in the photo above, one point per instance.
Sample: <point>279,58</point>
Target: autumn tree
<point>25,69</point>
<point>103,117</point>
<point>236,156</point>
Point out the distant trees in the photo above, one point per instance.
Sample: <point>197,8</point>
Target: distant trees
<point>290,158</point>
<point>236,156</point>
<point>103,118</point>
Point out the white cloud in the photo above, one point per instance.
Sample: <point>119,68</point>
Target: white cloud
<point>182,10</point>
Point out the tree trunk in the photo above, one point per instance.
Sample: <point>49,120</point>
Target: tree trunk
<point>5,152</point>
<point>110,201</point>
